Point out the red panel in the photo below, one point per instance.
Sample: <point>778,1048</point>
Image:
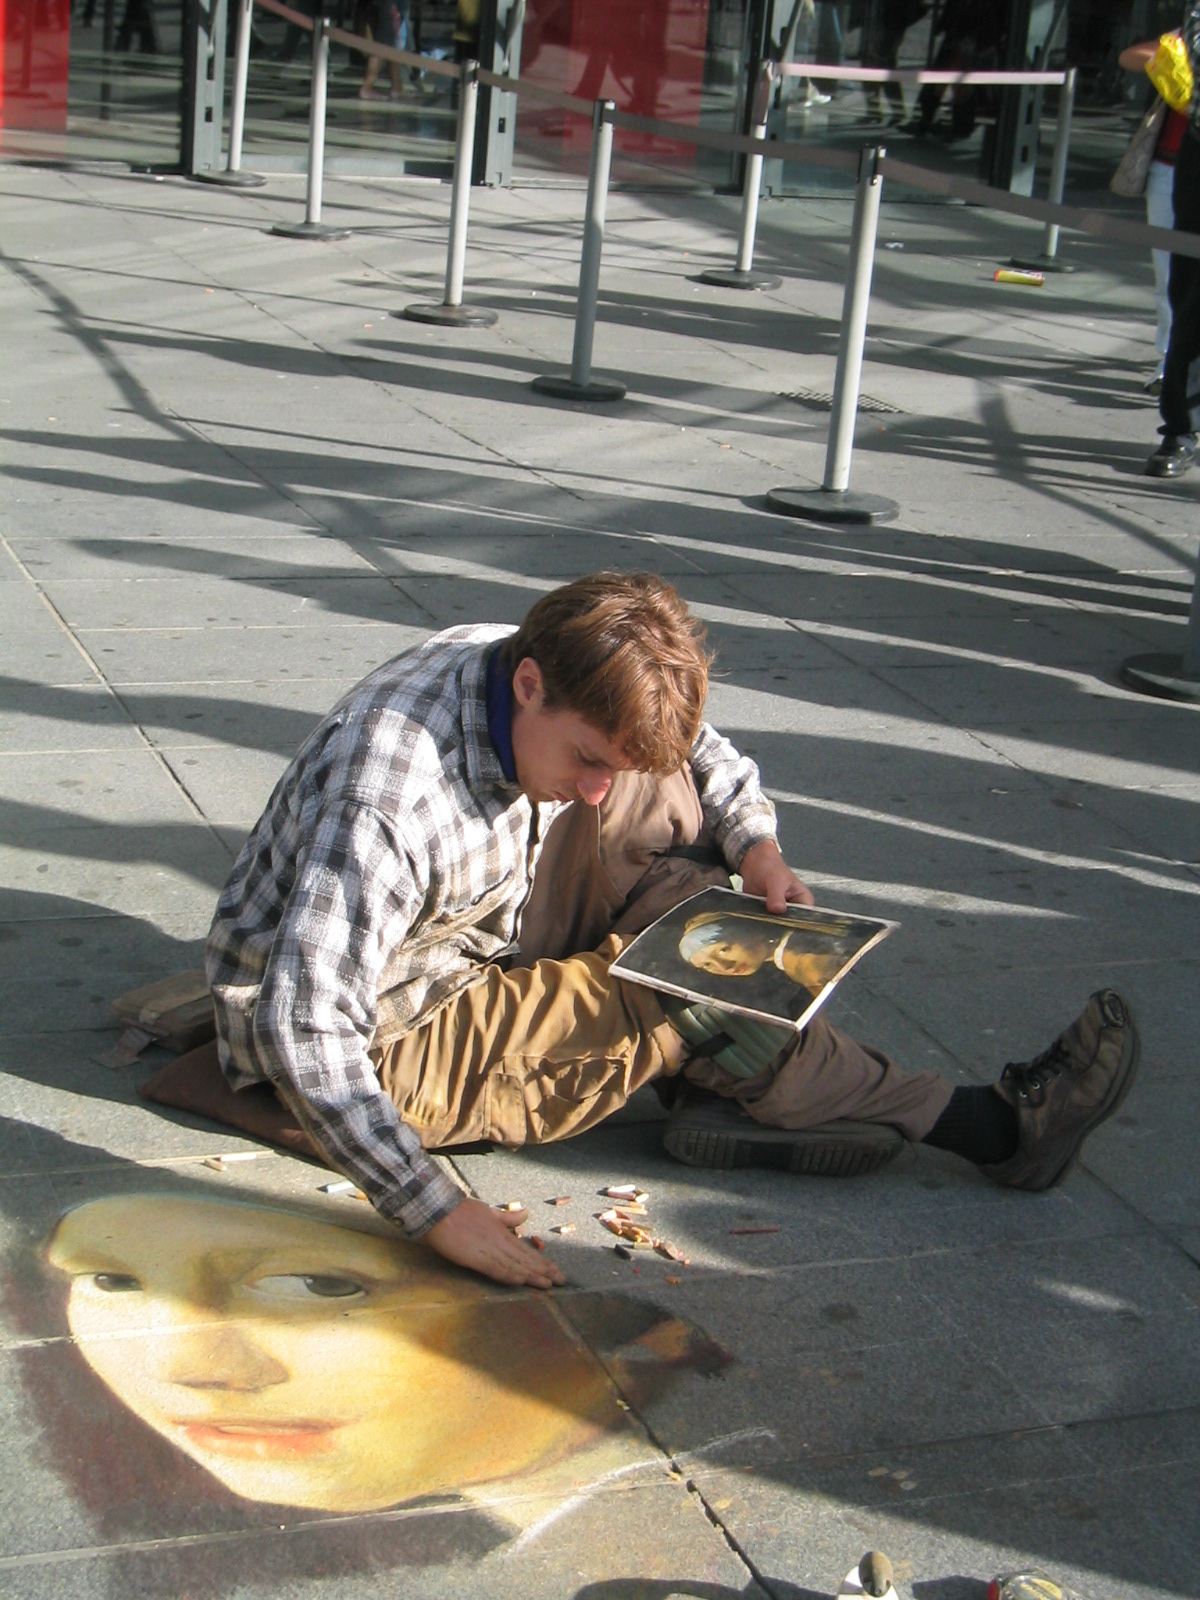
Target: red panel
<point>646,55</point>
<point>36,37</point>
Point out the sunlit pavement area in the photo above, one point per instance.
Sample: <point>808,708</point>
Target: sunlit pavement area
<point>234,482</point>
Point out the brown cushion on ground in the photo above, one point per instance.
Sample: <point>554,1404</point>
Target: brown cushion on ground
<point>194,1082</point>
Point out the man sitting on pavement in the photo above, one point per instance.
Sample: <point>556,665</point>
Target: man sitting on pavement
<point>384,956</point>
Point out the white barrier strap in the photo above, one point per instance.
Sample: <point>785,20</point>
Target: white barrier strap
<point>812,69</point>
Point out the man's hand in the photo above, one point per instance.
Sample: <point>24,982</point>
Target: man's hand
<point>475,1235</point>
<point>764,872</point>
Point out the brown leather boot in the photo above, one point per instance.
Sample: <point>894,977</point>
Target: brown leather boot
<point>1067,1091</point>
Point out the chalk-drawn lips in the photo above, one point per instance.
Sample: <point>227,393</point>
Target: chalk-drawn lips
<point>256,1439</point>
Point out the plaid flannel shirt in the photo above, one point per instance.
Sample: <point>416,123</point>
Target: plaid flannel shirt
<point>390,866</point>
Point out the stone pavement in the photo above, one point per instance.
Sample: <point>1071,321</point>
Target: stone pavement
<point>233,483</point>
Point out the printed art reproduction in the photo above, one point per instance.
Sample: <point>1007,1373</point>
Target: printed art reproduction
<point>725,949</point>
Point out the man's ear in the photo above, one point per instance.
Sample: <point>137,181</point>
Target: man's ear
<point>529,687</point>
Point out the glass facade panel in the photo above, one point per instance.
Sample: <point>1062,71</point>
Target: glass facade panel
<point>677,60</point>
<point>380,120</point>
<point>107,77</point>
<point>33,68</point>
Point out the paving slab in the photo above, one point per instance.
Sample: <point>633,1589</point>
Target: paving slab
<point>83,717</point>
<point>66,959</point>
<point>323,649</point>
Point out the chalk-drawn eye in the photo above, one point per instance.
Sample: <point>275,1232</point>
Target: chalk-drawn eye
<point>117,1282</point>
<point>307,1286</point>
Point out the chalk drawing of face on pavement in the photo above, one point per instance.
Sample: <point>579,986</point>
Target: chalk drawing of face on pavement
<point>307,1364</point>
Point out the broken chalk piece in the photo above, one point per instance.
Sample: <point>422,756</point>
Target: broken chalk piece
<point>564,1227</point>
<point>512,1205</point>
<point>624,1229</point>
<point>559,1200</point>
<point>1017,275</point>
<point>626,1191</point>
<point>538,1244</point>
<point>342,1186</point>
<point>219,1163</point>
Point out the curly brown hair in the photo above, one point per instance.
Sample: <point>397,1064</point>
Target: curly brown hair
<point>622,650</point>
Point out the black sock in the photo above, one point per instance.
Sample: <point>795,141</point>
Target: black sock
<point>977,1125</point>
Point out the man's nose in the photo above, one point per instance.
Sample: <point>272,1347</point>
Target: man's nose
<point>593,786</point>
<point>222,1357</point>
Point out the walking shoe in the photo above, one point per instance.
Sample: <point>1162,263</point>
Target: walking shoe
<point>1061,1095</point>
<point>1174,455</point>
<point>707,1130</point>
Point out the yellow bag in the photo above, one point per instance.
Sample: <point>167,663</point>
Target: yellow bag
<point>1170,72</point>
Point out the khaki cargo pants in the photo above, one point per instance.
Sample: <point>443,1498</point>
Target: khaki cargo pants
<point>550,1048</point>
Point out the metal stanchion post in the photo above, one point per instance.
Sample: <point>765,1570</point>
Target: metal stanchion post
<point>1170,677</point>
<point>451,312</point>
<point>1058,162</point>
<point>581,385</point>
<point>233,177</point>
<point>741,275</point>
<point>312,227</point>
<point>1048,260</point>
<point>832,502</point>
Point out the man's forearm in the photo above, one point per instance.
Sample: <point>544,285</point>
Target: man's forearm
<point>730,790</point>
<point>358,1129</point>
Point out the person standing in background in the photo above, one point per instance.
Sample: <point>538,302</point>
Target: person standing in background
<point>389,26</point>
<point>1179,400</point>
<point>1160,209</point>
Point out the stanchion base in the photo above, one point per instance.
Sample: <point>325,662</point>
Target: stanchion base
<point>732,278</point>
<point>449,316</point>
<point>1040,264</point>
<point>828,505</point>
<point>567,389</point>
<point>308,230</point>
<point>229,180</point>
<point>1162,675</point>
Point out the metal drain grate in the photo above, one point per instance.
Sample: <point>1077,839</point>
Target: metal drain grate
<point>816,401</point>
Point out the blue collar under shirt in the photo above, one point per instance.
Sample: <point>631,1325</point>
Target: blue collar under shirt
<point>499,712</point>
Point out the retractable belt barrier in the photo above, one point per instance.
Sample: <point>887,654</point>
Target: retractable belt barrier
<point>832,502</point>
<point>1065,80</point>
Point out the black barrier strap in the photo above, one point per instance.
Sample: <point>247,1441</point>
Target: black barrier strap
<point>297,18</point>
<point>551,97</point>
<point>1097,223</point>
<point>386,52</point>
